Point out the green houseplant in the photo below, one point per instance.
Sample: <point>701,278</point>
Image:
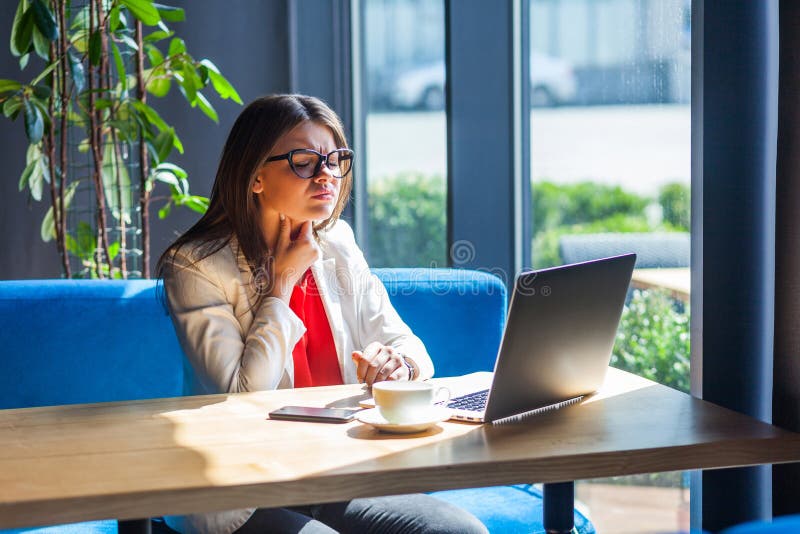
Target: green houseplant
<point>91,128</point>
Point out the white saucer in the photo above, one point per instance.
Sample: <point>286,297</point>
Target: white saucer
<point>435,415</point>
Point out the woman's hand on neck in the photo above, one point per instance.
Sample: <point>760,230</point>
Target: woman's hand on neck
<point>293,250</point>
<point>271,227</point>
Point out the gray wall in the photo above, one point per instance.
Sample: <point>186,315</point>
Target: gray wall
<point>22,253</point>
<point>246,39</point>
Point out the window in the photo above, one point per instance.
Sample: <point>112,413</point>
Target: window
<point>403,58</point>
<point>610,173</point>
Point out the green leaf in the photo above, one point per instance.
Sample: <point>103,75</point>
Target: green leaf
<point>206,107</point>
<point>176,46</point>
<point>129,41</point>
<point>150,115</point>
<point>114,18</point>
<point>113,250</point>
<point>34,122</point>
<point>16,29</point>
<point>25,177</point>
<point>174,169</point>
<point>95,48</point>
<point>77,72</point>
<point>33,153</point>
<point>12,107</point>
<point>36,181</point>
<point>80,41</point>
<point>81,18</point>
<point>48,229</point>
<point>23,61</point>
<point>143,10</point>
<point>191,82</point>
<point>45,20</point>
<point>170,14</point>
<point>158,35</point>
<point>176,142</point>
<point>121,74</point>
<point>42,75</point>
<point>116,183</point>
<point>159,84</point>
<point>221,85</point>
<point>9,86</point>
<point>43,111</point>
<point>22,34</point>
<point>41,91</point>
<point>162,176</point>
<point>87,240</point>
<point>154,55</point>
<point>71,244</point>
<point>163,144</point>
<point>194,203</point>
<point>126,130</point>
<point>41,44</point>
<point>163,213</point>
<point>102,103</point>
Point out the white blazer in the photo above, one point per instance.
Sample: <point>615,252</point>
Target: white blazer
<point>233,347</point>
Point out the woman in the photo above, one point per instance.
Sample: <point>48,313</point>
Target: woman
<point>269,290</point>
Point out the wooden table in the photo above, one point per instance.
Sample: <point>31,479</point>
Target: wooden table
<point>676,281</point>
<point>148,458</point>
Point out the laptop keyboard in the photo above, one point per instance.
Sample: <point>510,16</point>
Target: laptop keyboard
<point>472,401</point>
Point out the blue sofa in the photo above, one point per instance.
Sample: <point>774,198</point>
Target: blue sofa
<point>73,341</point>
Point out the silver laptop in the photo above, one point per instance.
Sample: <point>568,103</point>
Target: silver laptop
<point>557,342</point>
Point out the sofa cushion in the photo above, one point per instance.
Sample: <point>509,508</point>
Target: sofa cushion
<point>89,527</point>
<point>508,509</point>
<point>779,525</point>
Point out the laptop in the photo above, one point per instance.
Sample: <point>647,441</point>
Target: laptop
<point>557,342</point>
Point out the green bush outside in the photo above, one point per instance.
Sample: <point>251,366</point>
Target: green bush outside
<point>555,205</point>
<point>653,339</point>
<point>407,221</point>
<point>675,201</point>
<point>588,208</point>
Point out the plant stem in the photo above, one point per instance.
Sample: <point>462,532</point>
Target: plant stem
<point>95,140</point>
<point>50,144</point>
<point>123,262</point>
<point>64,69</point>
<point>144,194</point>
<point>118,162</point>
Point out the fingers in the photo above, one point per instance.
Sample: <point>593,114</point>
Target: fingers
<point>401,373</point>
<point>383,365</point>
<point>363,358</point>
<point>358,357</point>
<point>284,237</point>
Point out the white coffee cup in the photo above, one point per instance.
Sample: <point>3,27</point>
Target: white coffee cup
<point>403,402</point>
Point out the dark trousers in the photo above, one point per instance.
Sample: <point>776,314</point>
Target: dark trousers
<point>401,514</point>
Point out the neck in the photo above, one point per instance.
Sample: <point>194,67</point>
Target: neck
<point>270,228</point>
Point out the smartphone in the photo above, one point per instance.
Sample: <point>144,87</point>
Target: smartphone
<point>312,414</point>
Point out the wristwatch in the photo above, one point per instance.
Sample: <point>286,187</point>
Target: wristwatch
<point>410,368</point>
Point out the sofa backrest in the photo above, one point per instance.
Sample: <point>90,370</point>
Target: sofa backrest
<point>458,314</point>
<point>76,341</point>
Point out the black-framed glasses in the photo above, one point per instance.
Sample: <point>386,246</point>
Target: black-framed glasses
<point>307,163</point>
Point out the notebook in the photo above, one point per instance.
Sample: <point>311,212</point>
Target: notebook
<point>557,342</point>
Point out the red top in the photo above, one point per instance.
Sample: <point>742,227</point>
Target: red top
<point>315,359</point>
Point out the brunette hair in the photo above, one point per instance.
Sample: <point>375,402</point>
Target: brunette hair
<point>233,209</point>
